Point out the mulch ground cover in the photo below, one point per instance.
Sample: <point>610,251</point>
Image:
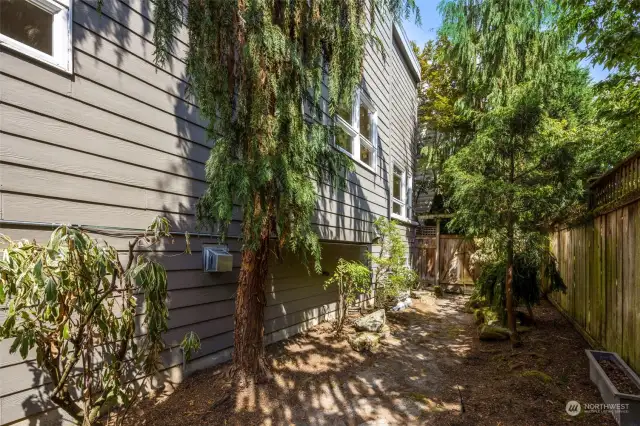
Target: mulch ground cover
<point>433,370</point>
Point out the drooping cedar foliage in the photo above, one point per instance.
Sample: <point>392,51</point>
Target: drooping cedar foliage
<point>254,67</point>
<point>250,64</point>
<point>498,44</point>
<point>507,56</point>
<point>528,276</point>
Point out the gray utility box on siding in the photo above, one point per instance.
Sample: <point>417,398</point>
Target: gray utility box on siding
<point>216,258</point>
<point>608,391</point>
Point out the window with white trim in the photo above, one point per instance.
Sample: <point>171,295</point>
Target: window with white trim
<point>401,188</point>
<point>40,29</point>
<point>356,131</point>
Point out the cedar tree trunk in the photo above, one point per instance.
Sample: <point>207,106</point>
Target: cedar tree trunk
<point>511,318</point>
<point>248,349</point>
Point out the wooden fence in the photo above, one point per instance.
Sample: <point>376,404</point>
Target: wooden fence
<point>600,264</point>
<point>618,186</point>
<point>453,259</point>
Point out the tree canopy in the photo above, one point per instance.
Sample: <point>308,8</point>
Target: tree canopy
<point>609,30</point>
<point>498,44</point>
<point>444,127</point>
<point>608,34</point>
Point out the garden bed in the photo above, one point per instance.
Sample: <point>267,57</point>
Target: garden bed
<point>619,386</point>
<point>620,380</point>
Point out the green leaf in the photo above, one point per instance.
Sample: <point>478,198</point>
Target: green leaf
<point>24,347</point>
<point>37,271</point>
<point>50,290</point>
<point>39,356</point>
<point>16,342</point>
<point>7,327</point>
<point>65,332</point>
<point>2,294</point>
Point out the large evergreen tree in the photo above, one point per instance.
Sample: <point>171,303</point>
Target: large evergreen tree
<point>251,63</point>
<point>512,177</point>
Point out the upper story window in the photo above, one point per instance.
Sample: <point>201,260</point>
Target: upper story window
<point>356,131</point>
<point>401,193</point>
<point>38,28</point>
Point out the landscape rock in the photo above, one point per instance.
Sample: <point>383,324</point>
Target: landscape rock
<point>380,422</point>
<point>372,322</point>
<point>493,332</point>
<point>365,341</point>
<point>454,289</point>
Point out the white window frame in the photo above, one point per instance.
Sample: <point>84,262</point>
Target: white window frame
<point>353,130</point>
<point>406,188</point>
<point>61,37</point>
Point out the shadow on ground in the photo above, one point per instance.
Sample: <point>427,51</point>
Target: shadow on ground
<point>431,367</point>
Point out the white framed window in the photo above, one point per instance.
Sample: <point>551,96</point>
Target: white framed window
<point>401,193</point>
<point>40,29</point>
<point>357,131</point>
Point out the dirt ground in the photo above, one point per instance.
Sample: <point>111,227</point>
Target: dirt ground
<point>433,370</point>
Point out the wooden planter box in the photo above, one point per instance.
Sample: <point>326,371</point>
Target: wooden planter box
<point>608,391</point>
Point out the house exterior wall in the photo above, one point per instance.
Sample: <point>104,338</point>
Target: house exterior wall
<point>119,142</point>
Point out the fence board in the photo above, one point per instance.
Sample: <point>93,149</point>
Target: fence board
<point>599,262</point>
<point>455,253</point>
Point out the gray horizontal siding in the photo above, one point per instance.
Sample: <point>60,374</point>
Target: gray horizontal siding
<point>295,299</point>
<point>120,142</point>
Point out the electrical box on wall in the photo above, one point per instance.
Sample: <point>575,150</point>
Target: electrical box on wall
<point>216,258</point>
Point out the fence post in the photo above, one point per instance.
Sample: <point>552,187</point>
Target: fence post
<point>437,252</point>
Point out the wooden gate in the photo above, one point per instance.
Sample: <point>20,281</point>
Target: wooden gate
<point>453,259</point>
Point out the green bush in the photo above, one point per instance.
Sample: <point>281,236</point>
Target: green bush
<point>352,279</point>
<point>391,274</point>
<point>527,274</point>
<point>74,302</point>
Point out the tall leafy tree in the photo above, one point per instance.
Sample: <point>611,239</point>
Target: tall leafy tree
<point>250,64</point>
<point>608,29</point>
<point>608,33</point>
<point>443,126</point>
<point>511,176</point>
<point>496,45</point>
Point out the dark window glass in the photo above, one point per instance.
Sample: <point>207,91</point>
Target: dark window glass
<point>365,122</point>
<point>397,184</point>
<point>27,23</point>
<point>343,140</point>
<point>345,112</point>
<point>366,153</point>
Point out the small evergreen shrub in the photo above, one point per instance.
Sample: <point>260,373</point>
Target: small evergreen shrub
<point>391,275</point>
<point>352,279</point>
<point>527,274</point>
